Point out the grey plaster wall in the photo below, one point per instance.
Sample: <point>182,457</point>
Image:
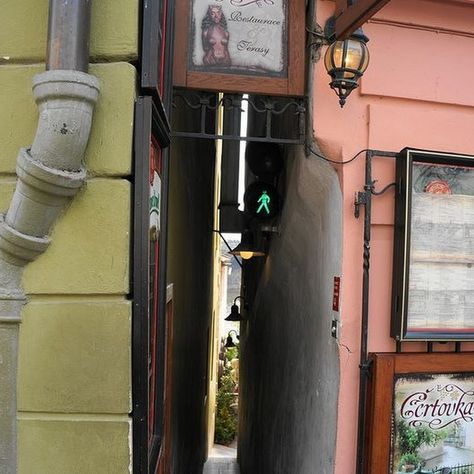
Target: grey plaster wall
<point>191,204</point>
<point>290,365</point>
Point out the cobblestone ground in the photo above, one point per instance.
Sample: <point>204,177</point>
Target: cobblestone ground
<point>221,466</point>
<point>222,460</point>
<point>452,456</point>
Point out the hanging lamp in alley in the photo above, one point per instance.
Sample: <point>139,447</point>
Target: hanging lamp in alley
<point>247,248</point>
<point>229,341</point>
<point>346,61</point>
<point>235,311</point>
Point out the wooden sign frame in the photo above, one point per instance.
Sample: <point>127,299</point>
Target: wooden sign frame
<point>292,85</point>
<point>381,400</point>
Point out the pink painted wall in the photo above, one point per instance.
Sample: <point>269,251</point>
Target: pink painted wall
<point>416,93</point>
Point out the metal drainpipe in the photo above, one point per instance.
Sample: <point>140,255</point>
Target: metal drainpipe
<point>49,173</point>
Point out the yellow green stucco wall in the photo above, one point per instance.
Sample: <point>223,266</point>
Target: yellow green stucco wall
<point>74,381</point>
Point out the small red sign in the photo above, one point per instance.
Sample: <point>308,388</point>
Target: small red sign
<point>336,293</point>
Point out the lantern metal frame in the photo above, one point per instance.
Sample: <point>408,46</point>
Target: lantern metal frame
<point>340,83</point>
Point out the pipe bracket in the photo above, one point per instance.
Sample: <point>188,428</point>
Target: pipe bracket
<point>48,180</point>
<point>20,248</point>
<point>61,84</point>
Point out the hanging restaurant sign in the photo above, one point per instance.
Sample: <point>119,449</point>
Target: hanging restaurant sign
<point>421,415</point>
<point>246,46</point>
<point>433,275</point>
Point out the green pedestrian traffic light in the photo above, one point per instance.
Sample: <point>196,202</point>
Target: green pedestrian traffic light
<point>262,200</point>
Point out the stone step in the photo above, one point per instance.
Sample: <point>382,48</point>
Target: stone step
<point>221,466</point>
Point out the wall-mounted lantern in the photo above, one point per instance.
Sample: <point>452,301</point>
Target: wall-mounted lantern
<point>247,248</point>
<point>229,341</point>
<point>345,61</point>
<point>235,312</point>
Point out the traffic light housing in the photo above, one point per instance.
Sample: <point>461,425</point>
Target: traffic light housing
<point>261,198</point>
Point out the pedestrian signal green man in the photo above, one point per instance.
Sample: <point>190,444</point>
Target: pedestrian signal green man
<point>261,201</point>
<point>264,199</point>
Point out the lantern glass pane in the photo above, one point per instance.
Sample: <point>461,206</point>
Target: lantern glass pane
<point>365,60</point>
<point>333,57</point>
<point>354,55</point>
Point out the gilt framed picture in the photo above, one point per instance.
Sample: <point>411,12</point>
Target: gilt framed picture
<point>241,46</point>
<point>433,272</point>
<point>421,414</point>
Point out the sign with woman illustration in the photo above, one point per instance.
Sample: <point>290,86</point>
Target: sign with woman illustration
<point>239,36</point>
<point>215,37</point>
<point>240,46</point>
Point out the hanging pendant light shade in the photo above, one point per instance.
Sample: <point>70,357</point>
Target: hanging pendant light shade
<point>229,341</point>
<point>247,249</point>
<point>346,61</point>
<point>235,311</point>
<point>234,314</point>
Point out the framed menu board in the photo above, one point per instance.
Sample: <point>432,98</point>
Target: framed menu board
<point>421,414</point>
<point>433,273</point>
<point>241,46</point>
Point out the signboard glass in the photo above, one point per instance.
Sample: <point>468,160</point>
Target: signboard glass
<point>442,248</point>
<point>239,37</point>
<point>434,247</point>
<point>433,423</point>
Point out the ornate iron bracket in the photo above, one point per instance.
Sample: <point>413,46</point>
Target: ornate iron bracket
<point>366,368</point>
<point>266,108</point>
<point>360,199</point>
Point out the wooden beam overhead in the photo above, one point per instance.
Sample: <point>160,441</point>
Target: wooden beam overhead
<point>356,15</point>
